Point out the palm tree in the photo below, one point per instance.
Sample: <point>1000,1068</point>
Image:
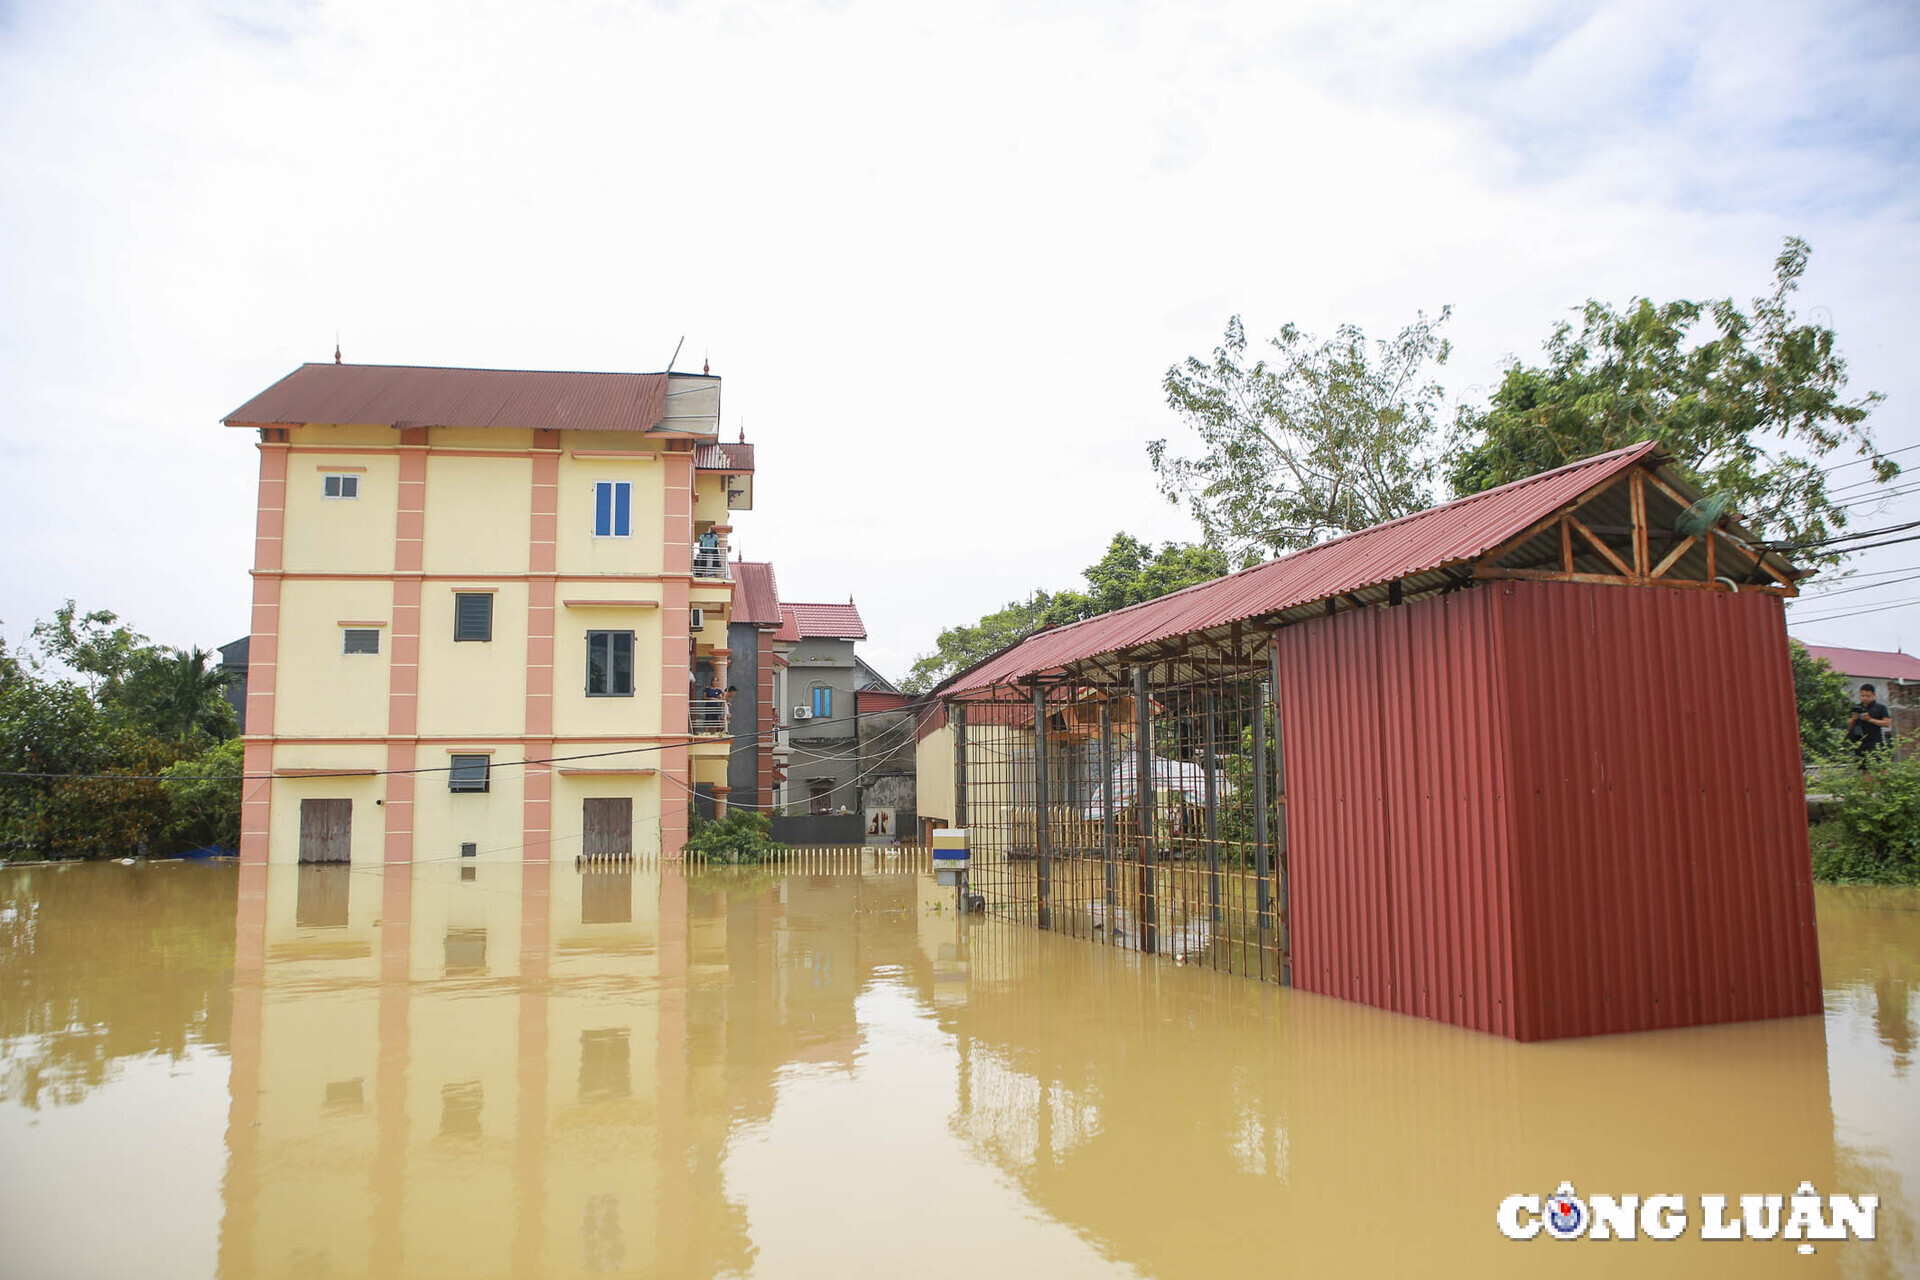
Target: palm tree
<point>179,692</point>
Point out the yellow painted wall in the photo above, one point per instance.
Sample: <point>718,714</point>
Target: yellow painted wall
<point>710,498</point>
<point>933,775</point>
<point>580,552</point>
<point>493,819</point>
<point>500,438</point>
<point>479,511</point>
<point>574,713</point>
<point>472,686</point>
<point>341,535</point>
<point>570,793</point>
<point>368,832</point>
<point>321,690</point>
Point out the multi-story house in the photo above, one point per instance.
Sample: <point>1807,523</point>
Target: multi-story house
<point>490,613</point>
<point>815,684</point>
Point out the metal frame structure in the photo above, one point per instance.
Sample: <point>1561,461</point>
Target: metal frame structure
<point>1194,864</point>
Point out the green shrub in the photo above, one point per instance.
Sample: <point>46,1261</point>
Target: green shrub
<point>204,791</point>
<point>1872,832</point>
<point>739,839</point>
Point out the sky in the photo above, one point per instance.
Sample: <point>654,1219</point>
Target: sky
<point>941,255</point>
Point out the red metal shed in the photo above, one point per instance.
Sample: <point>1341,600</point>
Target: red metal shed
<point>1536,770</point>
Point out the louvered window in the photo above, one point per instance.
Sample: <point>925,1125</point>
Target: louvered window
<point>473,616</point>
<point>469,773</point>
<point>360,640</point>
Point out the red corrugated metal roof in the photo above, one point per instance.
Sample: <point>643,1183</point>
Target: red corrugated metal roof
<point>829,621</point>
<point>416,396</point>
<point>789,626</point>
<point>1868,662</point>
<point>1418,543</point>
<point>756,597</point>
<point>736,457</point>
<point>865,700</point>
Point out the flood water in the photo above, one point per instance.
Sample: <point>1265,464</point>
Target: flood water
<point>438,1071</point>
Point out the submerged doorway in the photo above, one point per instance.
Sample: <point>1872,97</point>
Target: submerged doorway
<point>326,830</point>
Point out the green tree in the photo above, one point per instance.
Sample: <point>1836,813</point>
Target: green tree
<point>1822,695</point>
<point>48,728</point>
<point>203,798</point>
<point>94,646</point>
<point>179,695</point>
<point>740,838</point>
<point>1324,437</point>
<point>1749,403</point>
<point>1130,572</point>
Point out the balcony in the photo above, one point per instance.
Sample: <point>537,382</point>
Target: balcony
<point>707,717</point>
<point>710,558</point>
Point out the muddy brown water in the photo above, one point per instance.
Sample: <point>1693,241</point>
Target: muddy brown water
<point>425,1072</point>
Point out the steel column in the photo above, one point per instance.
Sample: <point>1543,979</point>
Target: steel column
<point>1106,805</point>
<point>1149,905</point>
<point>1283,933</point>
<point>958,712</point>
<point>1210,760</point>
<point>1261,848</point>
<point>1042,836</point>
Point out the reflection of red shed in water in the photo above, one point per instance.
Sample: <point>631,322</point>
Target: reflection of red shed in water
<point>1536,773</point>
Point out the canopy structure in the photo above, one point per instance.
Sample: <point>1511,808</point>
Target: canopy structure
<point>1526,763</point>
<point>1617,518</point>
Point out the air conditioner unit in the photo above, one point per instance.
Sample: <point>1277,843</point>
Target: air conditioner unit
<point>803,713</point>
<point>696,618</point>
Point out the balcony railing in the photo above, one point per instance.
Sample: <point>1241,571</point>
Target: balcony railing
<point>707,716</point>
<point>710,558</point>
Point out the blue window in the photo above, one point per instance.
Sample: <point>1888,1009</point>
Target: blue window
<point>822,702</point>
<point>612,509</point>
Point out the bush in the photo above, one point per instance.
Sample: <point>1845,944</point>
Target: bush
<point>739,839</point>
<point>204,796</point>
<point>1872,833</point>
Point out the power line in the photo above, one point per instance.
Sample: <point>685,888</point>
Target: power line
<point>1842,537</point>
<point>1866,586</point>
<point>1854,613</point>
<point>1855,462</point>
<point>736,739</point>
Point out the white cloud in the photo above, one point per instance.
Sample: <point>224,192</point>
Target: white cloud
<point>941,256</point>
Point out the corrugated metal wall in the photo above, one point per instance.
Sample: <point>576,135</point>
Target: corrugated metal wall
<point>1663,876</point>
<point>1398,835</point>
<point>1547,810</point>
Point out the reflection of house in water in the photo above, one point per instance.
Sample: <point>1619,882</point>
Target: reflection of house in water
<point>538,1064</point>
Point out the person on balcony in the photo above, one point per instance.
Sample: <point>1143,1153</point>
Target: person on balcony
<point>707,561</point>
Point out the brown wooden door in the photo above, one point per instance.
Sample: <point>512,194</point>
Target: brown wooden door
<point>326,830</point>
<point>608,823</point>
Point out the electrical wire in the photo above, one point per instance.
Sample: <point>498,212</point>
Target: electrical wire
<point>1842,537</point>
<point>1856,462</point>
<point>1855,613</point>
<point>736,739</point>
<point>1866,586</point>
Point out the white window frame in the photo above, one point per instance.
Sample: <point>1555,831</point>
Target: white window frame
<point>378,642</point>
<point>343,477</point>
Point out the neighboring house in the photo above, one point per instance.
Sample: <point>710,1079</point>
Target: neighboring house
<point>886,730</point>
<point>482,601</point>
<point>1895,678</point>
<point>820,678</point>
<point>865,678</point>
<point>233,661</point>
<point>756,714</point>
